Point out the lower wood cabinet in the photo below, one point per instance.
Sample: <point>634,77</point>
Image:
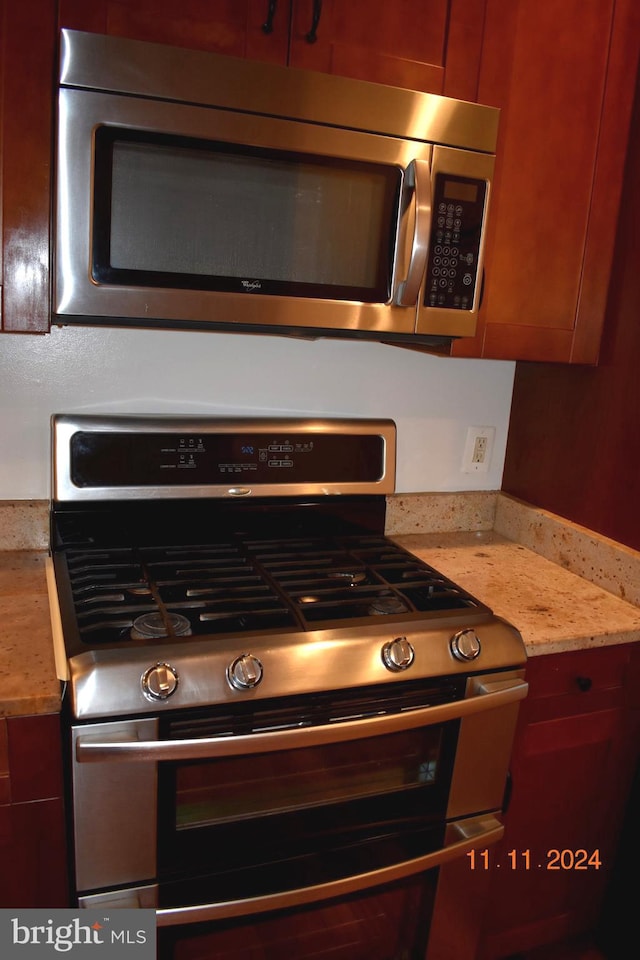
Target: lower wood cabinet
<point>574,755</point>
<point>32,822</point>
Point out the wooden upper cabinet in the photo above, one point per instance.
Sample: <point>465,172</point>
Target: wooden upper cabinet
<point>431,45</point>
<point>238,28</point>
<point>564,77</point>
<point>27,43</point>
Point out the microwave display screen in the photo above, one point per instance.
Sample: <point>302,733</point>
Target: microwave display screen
<point>195,214</point>
<point>460,190</point>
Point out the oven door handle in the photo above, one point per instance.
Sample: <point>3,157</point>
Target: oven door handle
<point>486,694</point>
<point>461,837</point>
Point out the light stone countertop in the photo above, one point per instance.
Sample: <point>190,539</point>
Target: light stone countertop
<point>554,609</point>
<point>564,587</point>
<point>28,683</point>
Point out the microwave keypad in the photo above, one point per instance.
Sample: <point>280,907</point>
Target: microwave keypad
<point>456,230</point>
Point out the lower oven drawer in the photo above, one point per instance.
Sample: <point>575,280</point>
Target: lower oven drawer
<point>412,918</point>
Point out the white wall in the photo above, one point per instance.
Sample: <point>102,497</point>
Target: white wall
<point>433,400</point>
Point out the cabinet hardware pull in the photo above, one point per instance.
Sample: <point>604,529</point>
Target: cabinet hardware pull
<point>312,36</point>
<point>267,26</point>
<point>584,683</point>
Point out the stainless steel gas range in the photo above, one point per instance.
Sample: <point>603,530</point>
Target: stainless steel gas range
<point>283,728</point>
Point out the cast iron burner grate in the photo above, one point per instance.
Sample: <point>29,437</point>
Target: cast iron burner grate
<point>251,585</point>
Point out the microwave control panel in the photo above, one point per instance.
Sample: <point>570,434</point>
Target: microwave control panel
<point>454,248</point>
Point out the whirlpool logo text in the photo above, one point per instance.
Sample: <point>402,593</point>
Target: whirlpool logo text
<point>81,933</point>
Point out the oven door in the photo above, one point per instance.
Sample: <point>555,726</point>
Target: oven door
<point>293,826</point>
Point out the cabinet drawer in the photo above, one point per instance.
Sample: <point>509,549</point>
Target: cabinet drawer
<point>568,684</point>
<point>561,673</point>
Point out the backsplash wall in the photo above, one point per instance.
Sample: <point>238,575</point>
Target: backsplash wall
<point>94,370</point>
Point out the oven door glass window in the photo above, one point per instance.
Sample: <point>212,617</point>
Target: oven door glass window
<point>242,827</point>
<point>194,214</point>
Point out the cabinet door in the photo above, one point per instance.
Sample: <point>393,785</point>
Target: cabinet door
<point>430,45</point>
<point>564,76</point>
<point>32,823</point>
<point>33,854</point>
<point>27,42</point>
<point>239,28</point>
<point>573,757</point>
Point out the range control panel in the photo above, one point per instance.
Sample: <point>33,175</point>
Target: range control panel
<point>454,249</point>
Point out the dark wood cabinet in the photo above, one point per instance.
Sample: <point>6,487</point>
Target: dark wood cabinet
<point>32,823</point>
<point>564,78</point>
<point>231,27</point>
<point>431,45</point>
<point>27,43</point>
<point>575,751</point>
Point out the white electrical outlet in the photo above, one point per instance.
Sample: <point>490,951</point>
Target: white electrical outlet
<point>478,449</point>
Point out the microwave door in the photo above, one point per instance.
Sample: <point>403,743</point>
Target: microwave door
<point>170,214</point>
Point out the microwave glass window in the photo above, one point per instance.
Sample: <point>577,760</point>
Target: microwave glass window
<point>200,215</point>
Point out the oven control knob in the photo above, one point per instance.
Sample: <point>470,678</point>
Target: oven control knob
<point>159,682</point>
<point>245,672</point>
<point>398,654</point>
<point>465,645</point>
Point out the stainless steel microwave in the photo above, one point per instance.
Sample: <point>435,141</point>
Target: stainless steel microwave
<point>201,191</point>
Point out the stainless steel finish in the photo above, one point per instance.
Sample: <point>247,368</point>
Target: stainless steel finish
<point>115,812</point>
<point>159,682</point>
<point>164,73</point>
<point>65,426</point>
<point>78,295</point>
<point>133,898</point>
<point>116,82</point>
<point>465,645</point>
<point>125,773</point>
<point>114,761</point>
<point>245,672</point>
<point>484,746</point>
<point>479,699</point>
<point>418,176</point>
<point>398,654</point>
<point>103,684</point>
<point>478,832</point>
<point>465,835</point>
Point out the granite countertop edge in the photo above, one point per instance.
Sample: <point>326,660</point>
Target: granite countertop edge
<point>563,586</point>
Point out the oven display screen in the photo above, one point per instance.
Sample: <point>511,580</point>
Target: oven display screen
<point>162,459</point>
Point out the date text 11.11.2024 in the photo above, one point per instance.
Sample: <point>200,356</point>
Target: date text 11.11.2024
<point>552,859</point>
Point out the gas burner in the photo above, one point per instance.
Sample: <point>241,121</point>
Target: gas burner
<point>383,606</point>
<point>350,578</point>
<point>153,626</point>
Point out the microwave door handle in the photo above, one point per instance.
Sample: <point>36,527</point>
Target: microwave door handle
<point>418,178</point>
